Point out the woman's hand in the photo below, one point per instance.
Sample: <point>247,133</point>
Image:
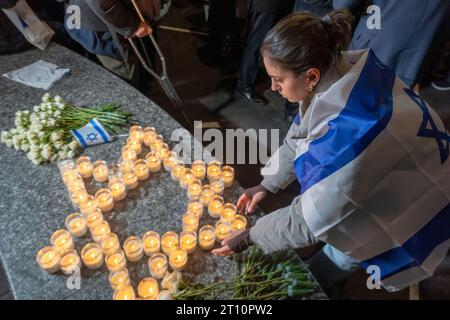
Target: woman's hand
<point>236,242</point>
<point>143,30</point>
<point>250,198</point>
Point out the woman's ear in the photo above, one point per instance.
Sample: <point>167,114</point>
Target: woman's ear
<point>312,77</point>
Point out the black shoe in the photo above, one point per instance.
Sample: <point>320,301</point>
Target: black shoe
<point>441,85</point>
<point>250,96</point>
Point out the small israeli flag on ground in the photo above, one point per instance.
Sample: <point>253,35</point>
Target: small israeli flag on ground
<point>91,134</point>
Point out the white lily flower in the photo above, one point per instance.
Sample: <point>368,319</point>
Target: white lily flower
<point>46,97</point>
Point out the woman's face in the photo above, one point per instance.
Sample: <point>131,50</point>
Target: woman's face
<point>291,86</point>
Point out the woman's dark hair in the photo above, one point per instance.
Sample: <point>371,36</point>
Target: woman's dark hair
<point>303,40</point>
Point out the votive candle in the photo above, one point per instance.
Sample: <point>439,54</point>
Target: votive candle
<point>141,169</point>
<point>151,242</point>
<point>222,230</point>
<point>153,162</point>
<point>213,170</point>
<point>110,244</point>
<point>215,206</point>
<point>190,222</point>
<point>70,262</point>
<point>100,230</point>
<point>117,187</point>
<point>94,217</point>
<point>228,212</point>
<point>157,264</point>
<point>116,261</point>
<point>169,241</point>
<point>194,189</point>
<point>177,170</point>
<point>48,259</point>
<point>206,195</point>
<point>217,186</point>
<point>199,169</point>
<point>186,178</point>
<point>62,241</point>
<point>130,180</point>
<point>100,171</point>
<point>148,289</point>
<point>239,223</point>
<point>133,249</point>
<point>92,256</point>
<point>76,225</point>
<point>104,200</point>
<point>178,259</point>
<point>128,153</point>
<point>227,176</point>
<point>188,241</point>
<point>84,167</point>
<point>119,279</point>
<point>124,293</point>
<point>195,207</point>
<point>206,237</point>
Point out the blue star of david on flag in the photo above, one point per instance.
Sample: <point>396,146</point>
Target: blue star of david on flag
<point>92,133</point>
<point>442,138</point>
<point>92,136</point>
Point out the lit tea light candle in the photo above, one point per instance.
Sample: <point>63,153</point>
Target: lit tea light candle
<point>228,213</point>
<point>100,171</point>
<point>79,196</point>
<point>76,185</point>
<point>199,169</point>
<point>195,207</point>
<point>110,244</point>
<point>104,200</point>
<point>65,165</point>
<point>133,249</point>
<point>128,153</point>
<point>137,136</point>
<point>157,265</point>
<point>178,259</point>
<point>76,224</point>
<point>151,242</point>
<point>222,230</point>
<point>70,262</point>
<point>62,241</point>
<point>84,167</point>
<point>48,258</point>
<point>70,175</point>
<point>100,230</point>
<point>213,170</point>
<point>206,195</point>
<point>134,144</point>
<point>130,180</point>
<point>194,189</point>
<point>117,187</point>
<point>239,223</point>
<point>227,176</point>
<point>177,170</point>
<point>169,241</point>
<point>93,217</point>
<point>153,162</point>
<point>188,241</point>
<point>148,289</point>
<point>162,150</point>
<point>119,279</point>
<point>206,237</point>
<point>157,142</point>
<point>88,205</point>
<point>126,166</point>
<point>215,206</point>
<point>169,161</point>
<point>186,178</point>
<point>217,186</point>
<point>141,169</point>
<point>190,222</point>
<point>149,135</point>
<point>124,293</point>
<point>116,261</point>
<point>92,256</point>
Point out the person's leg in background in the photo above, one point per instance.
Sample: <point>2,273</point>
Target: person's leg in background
<point>318,7</point>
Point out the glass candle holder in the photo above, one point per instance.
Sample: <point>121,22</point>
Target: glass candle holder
<point>100,230</point>
<point>133,249</point>
<point>206,195</point>
<point>178,259</point>
<point>213,170</point>
<point>119,279</point>
<point>153,162</point>
<point>84,167</point>
<point>206,237</point>
<point>93,217</point>
<point>128,153</point>
<point>76,185</point>
<point>177,170</point>
<point>141,169</point>
<point>227,176</point>
<point>149,135</point>
<point>100,171</point>
<point>76,225</point>
<point>66,165</point>
<point>105,201</point>
<point>188,241</point>
<point>92,256</point>
<point>151,242</point>
<point>156,143</point>
<point>162,150</point>
<point>157,264</point>
<point>48,259</point>
<point>190,222</point>
<point>199,169</point>
<point>195,207</point>
<point>70,262</point>
<point>110,244</point>
<point>130,180</point>
<point>169,161</point>
<point>117,187</point>
<point>215,206</point>
<point>79,196</point>
<point>169,241</point>
<point>222,230</point>
<point>135,144</point>
<point>148,289</point>
<point>126,166</point>
<point>228,213</point>
<point>116,261</point>
<point>239,223</point>
<point>88,205</point>
<point>62,241</point>
<point>194,189</point>
<point>70,175</point>
<point>186,178</point>
<point>217,186</point>
<point>124,293</point>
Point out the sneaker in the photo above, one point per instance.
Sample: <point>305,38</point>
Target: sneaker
<point>441,85</point>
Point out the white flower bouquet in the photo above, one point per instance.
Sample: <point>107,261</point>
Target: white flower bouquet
<point>44,134</point>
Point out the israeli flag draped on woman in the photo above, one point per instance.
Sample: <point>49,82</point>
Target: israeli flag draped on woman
<point>375,174</point>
